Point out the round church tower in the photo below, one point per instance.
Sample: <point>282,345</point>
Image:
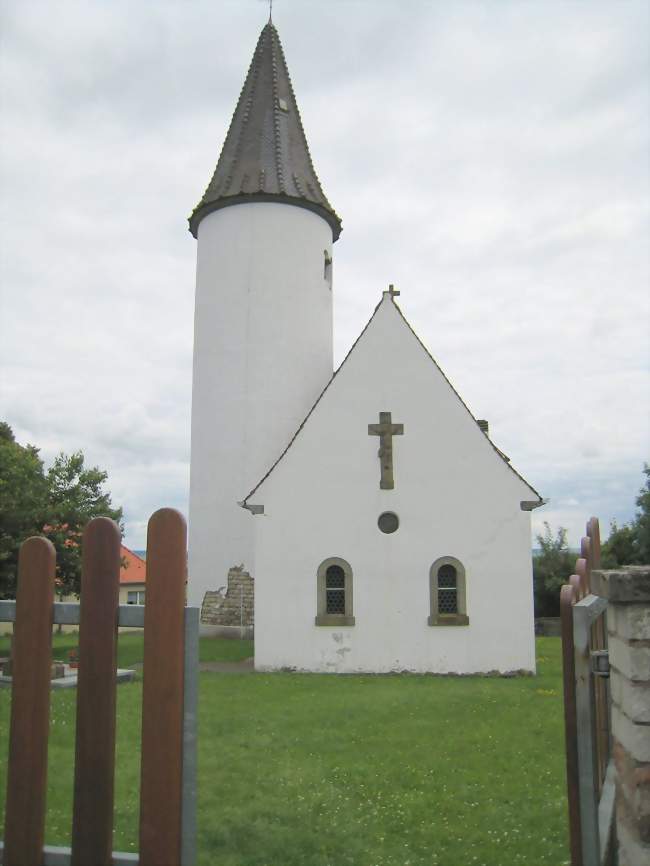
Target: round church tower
<point>263,312</point>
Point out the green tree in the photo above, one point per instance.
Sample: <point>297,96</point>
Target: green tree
<point>629,544</point>
<point>23,503</point>
<point>621,546</point>
<point>57,503</point>
<point>75,495</point>
<point>643,519</point>
<point>551,568</point>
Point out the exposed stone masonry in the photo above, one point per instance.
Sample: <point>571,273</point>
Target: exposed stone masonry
<point>628,626</point>
<point>235,606</point>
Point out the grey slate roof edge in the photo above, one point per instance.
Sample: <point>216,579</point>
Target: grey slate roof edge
<point>228,131</point>
<point>217,193</point>
<point>295,101</point>
<point>467,409</point>
<point>338,370</point>
<point>320,397</point>
<point>202,211</point>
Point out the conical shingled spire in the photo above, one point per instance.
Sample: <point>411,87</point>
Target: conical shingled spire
<point>265,156</point>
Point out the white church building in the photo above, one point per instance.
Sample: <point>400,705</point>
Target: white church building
<point>383,529</point>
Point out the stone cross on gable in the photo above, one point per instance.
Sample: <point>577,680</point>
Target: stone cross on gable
<point>386,430</point>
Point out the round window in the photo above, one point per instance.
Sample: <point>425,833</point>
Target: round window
<point>388,521</point>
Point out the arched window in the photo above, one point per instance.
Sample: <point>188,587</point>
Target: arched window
<point>334,589</point>
<point>448,600</point>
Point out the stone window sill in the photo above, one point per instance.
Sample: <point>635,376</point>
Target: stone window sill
<point>334,619</point>
<point>449,619</point>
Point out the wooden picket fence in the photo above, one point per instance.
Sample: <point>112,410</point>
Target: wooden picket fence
<point>168,761</point>
<point>587,710</point>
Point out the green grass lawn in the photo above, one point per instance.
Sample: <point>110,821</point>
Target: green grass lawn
<point>130,644</point>
<point>320,770</point>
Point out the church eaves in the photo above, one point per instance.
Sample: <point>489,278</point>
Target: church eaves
<point>265,156</point>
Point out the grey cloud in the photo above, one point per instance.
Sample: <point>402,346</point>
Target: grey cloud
<point>490,159</point>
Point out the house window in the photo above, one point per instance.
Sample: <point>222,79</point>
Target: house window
<point>135,596</point>
<point>334,593</point>
<point>448,601</point>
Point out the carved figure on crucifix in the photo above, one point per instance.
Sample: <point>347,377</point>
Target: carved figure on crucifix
<point>386,430</point>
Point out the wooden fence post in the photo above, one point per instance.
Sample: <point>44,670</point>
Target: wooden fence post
<point>593,532</point>
<point>92,827</point>
<point>162,698</point>
<point>30,705</point>
<point>587,709</point>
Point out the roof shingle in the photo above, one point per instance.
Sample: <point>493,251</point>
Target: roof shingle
<point>133,568</point>
<point>265,156</point>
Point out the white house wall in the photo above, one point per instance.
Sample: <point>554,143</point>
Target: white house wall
<point>262,355</point>
<point>454,497</point>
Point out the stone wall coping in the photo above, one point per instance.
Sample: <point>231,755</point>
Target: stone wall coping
<point>630,584</point>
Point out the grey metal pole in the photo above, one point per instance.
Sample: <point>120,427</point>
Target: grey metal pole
<point>190,719</point>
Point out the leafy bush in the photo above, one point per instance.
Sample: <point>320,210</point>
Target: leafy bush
<point>551,569</point>
<point>630,544</point>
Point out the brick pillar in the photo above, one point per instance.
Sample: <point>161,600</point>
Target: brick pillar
<point>628,626</point>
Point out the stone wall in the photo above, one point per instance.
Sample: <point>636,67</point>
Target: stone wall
<point>235,606</point>
<point>628,625</point>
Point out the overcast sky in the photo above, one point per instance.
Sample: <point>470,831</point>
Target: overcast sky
<point>490,159</point>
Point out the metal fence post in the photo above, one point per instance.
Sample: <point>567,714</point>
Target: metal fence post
<point>190,723</point>
<point>584,614</point>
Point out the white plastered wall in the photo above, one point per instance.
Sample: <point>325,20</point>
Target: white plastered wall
<point>262,355</point>
<point>454,497</point>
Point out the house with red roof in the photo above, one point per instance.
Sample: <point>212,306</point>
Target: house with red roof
<point>133,576</point>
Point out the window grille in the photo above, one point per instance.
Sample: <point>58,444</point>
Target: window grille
<point>335,589</point>
<point>447,589</point>
<point>327,268</point>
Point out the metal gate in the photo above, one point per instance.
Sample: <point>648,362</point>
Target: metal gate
<point>587,711</point>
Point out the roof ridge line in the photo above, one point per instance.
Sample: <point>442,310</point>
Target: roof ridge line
<point>385,296</point>
<point>466,407</point>
<point>131,551</point>
<point>308,415</point>
<point>277,144</point>
<point>295,102</point>
<point>232,121</point>
<point>246,115</point>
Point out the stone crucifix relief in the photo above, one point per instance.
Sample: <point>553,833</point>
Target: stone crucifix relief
<point>386,430</point>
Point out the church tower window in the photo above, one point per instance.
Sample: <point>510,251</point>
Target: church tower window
<point>448,604</point>
<point>327,268</point>
<point>334,590</point>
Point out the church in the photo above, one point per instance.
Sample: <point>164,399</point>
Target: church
<point>382,528</point>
